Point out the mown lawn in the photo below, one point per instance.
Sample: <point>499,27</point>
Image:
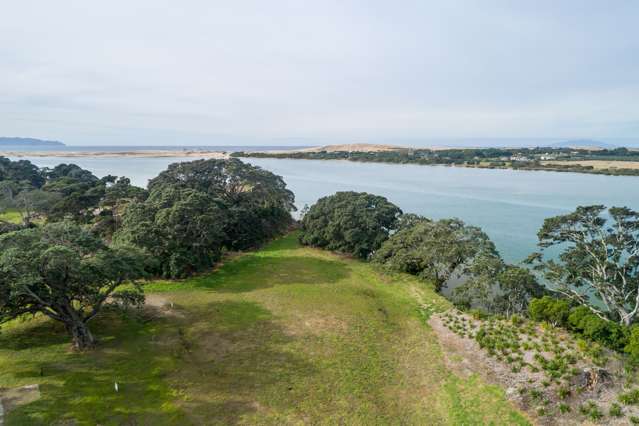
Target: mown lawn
<point>286,335</point>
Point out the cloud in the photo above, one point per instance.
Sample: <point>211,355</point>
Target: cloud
<point>147,71</point>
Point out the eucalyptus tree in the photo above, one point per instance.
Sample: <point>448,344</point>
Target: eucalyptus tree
<point>598,264</point>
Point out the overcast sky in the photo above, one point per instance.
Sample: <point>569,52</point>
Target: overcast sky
<point>206,72</point>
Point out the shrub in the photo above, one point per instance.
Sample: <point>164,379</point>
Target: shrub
<point>632,347</point>
<point>554,311</point>
<point>629,398</point>
<point>608,333</point>
<point>615,410</point>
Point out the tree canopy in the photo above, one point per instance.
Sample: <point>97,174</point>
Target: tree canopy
<point>599,260</point>
<point>350,222</point>
<point>435,250</point>
<point>197,209</point>
<point>66,273</point>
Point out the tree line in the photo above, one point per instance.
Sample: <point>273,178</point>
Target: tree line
<point>82,237</point>
<point>512,158</point>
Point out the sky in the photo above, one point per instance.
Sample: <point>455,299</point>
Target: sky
<point>204,72</point>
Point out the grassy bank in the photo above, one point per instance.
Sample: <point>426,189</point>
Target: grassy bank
<point>286,335</point>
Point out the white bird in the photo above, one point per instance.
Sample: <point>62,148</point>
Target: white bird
<point>117,388</point>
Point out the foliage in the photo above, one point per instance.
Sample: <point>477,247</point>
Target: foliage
<point>632,347</point>
<point>515,288</point>
<point>515,158</point>
<point>349,222</point>
<point>613,335</point>
<point>257,202</point>
<point>66,191</point>
<point>21,171</point>
<point>437,250</point>
<point>600,257</point>
<point>630,397</point>
<point>62,271</point>
<point>195,210</point>
<point>549,309</point>
<point>182,229</point>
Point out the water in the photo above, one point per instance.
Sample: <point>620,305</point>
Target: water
<point>142,148</point>
<point>509,205</point>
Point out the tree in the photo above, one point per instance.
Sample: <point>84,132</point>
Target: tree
<point>257,201</point>
<point>515,288</point>
<point>64,272</point>
<point>436,250</point>
<point>599,260</point>
<point>21,171</point>
<point>349,222</point>
<point>182,228</point>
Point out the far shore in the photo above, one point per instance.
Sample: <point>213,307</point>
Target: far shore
<point>117,154</point>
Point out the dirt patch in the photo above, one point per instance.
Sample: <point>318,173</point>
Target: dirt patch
<point>12,398</point>
<point>157,304</point>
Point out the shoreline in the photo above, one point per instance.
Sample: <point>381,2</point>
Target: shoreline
<point>118,154</point>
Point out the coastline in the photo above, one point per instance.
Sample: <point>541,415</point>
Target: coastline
<point>119,154</point>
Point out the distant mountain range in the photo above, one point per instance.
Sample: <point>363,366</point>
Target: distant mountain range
<point>583,143</point>
<point>30,142</point>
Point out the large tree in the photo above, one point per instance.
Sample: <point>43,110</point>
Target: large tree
<point>257,202</point>
<point>182,228</point>
<point>435,250</point>
<point>598,264</point>
<point>350,222</point>
<point>498,288</point>
<point>64,272</point>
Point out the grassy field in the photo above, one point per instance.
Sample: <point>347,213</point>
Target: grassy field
<point>598,164</point>
<point>286,335</point>
<point>12,216</point>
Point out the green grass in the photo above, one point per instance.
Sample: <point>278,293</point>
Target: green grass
<point>286,335</point>
<point>10,215</point>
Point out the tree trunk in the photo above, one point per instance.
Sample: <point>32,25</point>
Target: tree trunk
<point>82,337</point>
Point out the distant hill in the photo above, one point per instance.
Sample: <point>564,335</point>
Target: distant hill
<point>583,144</point>
<point>31,142</point>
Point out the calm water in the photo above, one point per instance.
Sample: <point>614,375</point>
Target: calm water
<point>509,205</point>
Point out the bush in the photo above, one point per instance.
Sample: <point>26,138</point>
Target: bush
<point>629,398</point>
<point>608,333</point>
<point>615,410</point>
<point>632,347</point>
<point>554,311</point>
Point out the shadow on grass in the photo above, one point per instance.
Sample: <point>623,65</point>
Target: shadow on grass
<point>204,368</point>
<point>33,335</point>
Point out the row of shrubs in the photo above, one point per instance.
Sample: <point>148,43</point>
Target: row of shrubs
<point>582,320</point>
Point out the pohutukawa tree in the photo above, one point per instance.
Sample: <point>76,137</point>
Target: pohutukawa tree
<point>62,271</point>
<point>436,250</point>
<point>599,262</point>
<point>350,222</point>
